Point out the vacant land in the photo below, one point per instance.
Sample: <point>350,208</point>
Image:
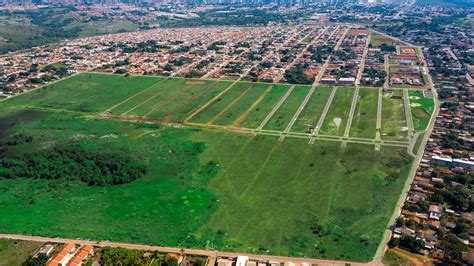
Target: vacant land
<point>258,114</point>
<point>365,115</point>
<point>313,110</point>
<point>283,115</point>
<point>15,252</point>
<point>421,109</point>
<point>203,188</point>
<point>394,124</point>
<point>86,92</point>
<point>336,118</point>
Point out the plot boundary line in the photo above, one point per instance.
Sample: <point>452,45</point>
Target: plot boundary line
<point>161,91</point>
<point>213,99</point>
<point>242,94</point>
<point>406,103</point>
<point>244,116</point>
<point>189,101</point>
<point>300,109</point>
<point>325,111</point>
<point>134,95</point>
<point>276,107</point>
<point>168,100</point>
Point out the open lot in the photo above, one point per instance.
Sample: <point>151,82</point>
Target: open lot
<point>394,124</point>
<point>206,188</point>
<point>336,118</point>
<point>421,109</point>
<point>365,115</point>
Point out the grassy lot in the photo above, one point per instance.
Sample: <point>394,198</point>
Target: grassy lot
<point>15,252</point>
<point>217,106</point>
<point>282,117</point>
<point>378,39</point>
<point>186,109</point>
<point>365,115</point>
<point>313,110</point>
<point>177,102</point>
<point>208,188</point>
<point>421,109</point>
<point>338,112</point>
<point>173,90</point>
<point>394,124</point>
<point>257,115</point>
<point>242,105</point>
<point>157,91</point>
<point>85,92</point>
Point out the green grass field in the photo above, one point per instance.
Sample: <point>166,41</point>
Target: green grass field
<point>257,115</point>
<point>365,115</point>
<point>283,115</point>
<point>15,252</point>
<point>394,124</point>
<point>336,118</point>
<point>313,110</point>
<point>421,109</point>
<point>204,188</point>
<point>85,93</point>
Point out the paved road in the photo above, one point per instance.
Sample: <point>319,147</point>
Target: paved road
<point>198,252</point>
<point>416,162</point>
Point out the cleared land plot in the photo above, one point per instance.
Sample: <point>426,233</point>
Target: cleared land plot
<point>242,105</point>
<point>186,108</point>
<point>169,94</point>
<point>313,110</point>
<point>16,252</point>
<point>258,114</point>
<point>222,102</point>
<point>282,117</point>
<point>336,118</point>
<point>365,115</point>
<point>421,109</point>
<point>197,89</point>
<point>290,198</point>
<point>321,189</point>
<point>127,105</point>
<point>88,92</point>
<point>379,39</point>
<point>394,124</point>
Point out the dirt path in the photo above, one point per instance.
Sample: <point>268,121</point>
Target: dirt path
<point>134,95</point>
<point>199,252</point>
<point>276,107</point>
<point>168,100</point>
<point>242,94</point>
<point>242,117</point>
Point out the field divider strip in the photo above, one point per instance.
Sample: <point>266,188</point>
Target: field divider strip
<point>276,107</point>
<point>325,111</point>
<point>406,103</point>
<point>230,105</point>
<point>168,100</point>
<point>134,95</point>
<point>351,112</point>
<point>144,102</point>
<point>176,109</point>
<point>210,102</point>
<point>243,116</point>
<point>300,109</point>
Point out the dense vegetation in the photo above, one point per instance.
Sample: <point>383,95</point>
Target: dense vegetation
<point>94,167</point>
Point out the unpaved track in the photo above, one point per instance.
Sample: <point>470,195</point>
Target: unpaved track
<point>275,108</point>
<point>242,94</point>
<point>242,117</point>
<point>198,252</point>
